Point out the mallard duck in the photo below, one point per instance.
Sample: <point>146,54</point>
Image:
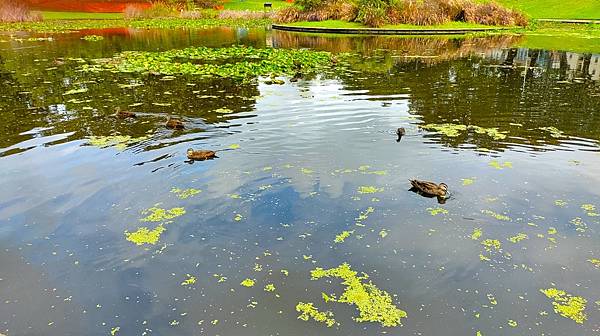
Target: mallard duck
<point>124,114</point>
<point>430,188</point>
<point>175,123</point>
<point>400,133</point>
<point>200,155</point>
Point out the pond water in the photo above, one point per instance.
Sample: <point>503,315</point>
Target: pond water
<point>299,164</point>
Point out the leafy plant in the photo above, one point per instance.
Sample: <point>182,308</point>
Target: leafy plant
<point>372,13</point>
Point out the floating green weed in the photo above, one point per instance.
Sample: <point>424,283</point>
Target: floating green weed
<point>75,91</point>
<point>185,193</point>
<point>580,226</point>
<point>189,280</point>
<point>373,304</point>
<point>383,233</point>
<point>512,323</point>
<point>114,331</point>
<point>236,62</point>
<point>491,244</point>
<point>517,238</point>
<point>247,283</point>
<point>156,214</point>
<point>554,132</point>
<point>498,165</point>
<point>92,38</point>
<point>144,235</point>
<point>454,130</point>
<point>307,311</point>
<point>369,190</point>
<point>495,215</point>
<point>595,262</point>
<point>468,181</point>
<point>269,287</point>
<point>340,238</point>
<point>567,305</point>
<point>437,211</point>
<point>119,141</point>
<point>477,232</point>
<point>560,203</point>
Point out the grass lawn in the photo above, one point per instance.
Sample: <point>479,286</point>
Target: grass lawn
<point>80,16</point>
<point>557,9</point>
<point>255,5</point>
<point>345,24</point>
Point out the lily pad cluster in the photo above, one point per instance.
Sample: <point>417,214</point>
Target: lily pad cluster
<point>237,62</point>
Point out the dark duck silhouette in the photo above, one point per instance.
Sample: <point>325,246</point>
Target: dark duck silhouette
<point>175,123</point>
<point>400,133</point>
<point>124,114</point>
<point>430,189</point>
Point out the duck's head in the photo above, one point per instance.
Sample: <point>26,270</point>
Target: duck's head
<point>443,186</point>
<point>190,151</point>
<point>401,131</point>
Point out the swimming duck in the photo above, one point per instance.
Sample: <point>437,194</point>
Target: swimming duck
<point>200,155</point>
<point>175,123</point>
<point>400,133</point>
<point>124,114</point>
<point>430,188</point>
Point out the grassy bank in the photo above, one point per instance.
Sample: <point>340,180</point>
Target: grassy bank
<point>556,9</point>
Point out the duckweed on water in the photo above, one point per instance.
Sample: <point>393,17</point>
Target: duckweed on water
<point>190,280</point>
<point>247,283</point>
<point>454,130</point>
<point>500,166</point>
<point>595,262</point>
<point>119,141</point>
<point>269,288</point>
<point>237,62</point>
<point>468,181</point>
<point>185,193</point>
<point>495,215</point>
<point>92,38</point>
<point>567,305</point>
<point>308,311</point>
<point>560,203</point>
<point>156,214</point>
<point>554,132</point>
<point>340,238</point>
<point>520,236</point>
<point>369,190</point>
<point>144,235</point>
<point>436,211</point>
<point>491,244</point>
<point>373,304</point>
<point>477,232</point>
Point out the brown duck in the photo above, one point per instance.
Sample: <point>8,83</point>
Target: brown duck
<point>400,132</point>
<point>200,155</point>
<point>430,188</point>
<point>174,123</point>
<point>124,114</point>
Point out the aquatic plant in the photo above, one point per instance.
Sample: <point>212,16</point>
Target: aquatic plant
<point>383,233</point>
<point>449,130</point>
<point>269,287</point>
<point>190,280</point>
<point>155,214</point>
<point>500,166</point>
<point>517,238</point>
<point>247,283</point>
<point>308,311</point>
<point>491,244</point>
<point>468,181</point>
<point>340,238</point>
<point>120,142</point>
<point>567,305</point>
<point>237,62</point>
<point>560,203</point>
<point>512,323</point>
<point>595,262</point>
<point>477,232</point>
<point>93,38</point>
<point>436,211</point>
<point>185,193</point>
<point>554,132</point>
<point>495,215</point>
<point>373,304</point>
<point>369,190</point>
<point>143,235</point>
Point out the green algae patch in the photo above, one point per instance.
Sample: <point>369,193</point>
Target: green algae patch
<point>554,132</point>
<point>491,244</point>
<point>340,238</point>
<point>248,283</point>
<point>308,311</point>
<point>383,233</point>
<point>560,203</point>
<point>580,226</point>
<point>500,166</point>
<point>144,235</point>
<point>567,305</point>
<point>114,331</point>
<point>590,208</point>
<point>120,142</point>
<point>236,62</point>
<point>92,38</point>
<point>373,304</point>
<point>369,190</point>
<point>455,130</point>
<point>518,237</point>
<point>269,287</point>
<point>495,215</point>
<point>477,232</point>
<point>156,214</point>
<point>185,193</point>
<point>512,323</point>
<point>468,181</point>
<point>437,211</point>
<point>189,280</point>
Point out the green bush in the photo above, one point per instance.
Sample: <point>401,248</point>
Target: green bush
<point>309,4</point>
<point>372,13</point>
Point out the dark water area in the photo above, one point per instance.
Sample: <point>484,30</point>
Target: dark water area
<point>298,164</point>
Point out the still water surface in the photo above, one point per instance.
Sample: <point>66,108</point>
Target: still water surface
<point>292,160</point>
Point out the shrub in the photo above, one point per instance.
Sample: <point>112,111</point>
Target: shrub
<point>372,13</point>
<point>331,10</point>
<point>17,11</point>
<point>158,9</point>
<point>243,14</point>
<point>308,5</point>
<point>492,13</point>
